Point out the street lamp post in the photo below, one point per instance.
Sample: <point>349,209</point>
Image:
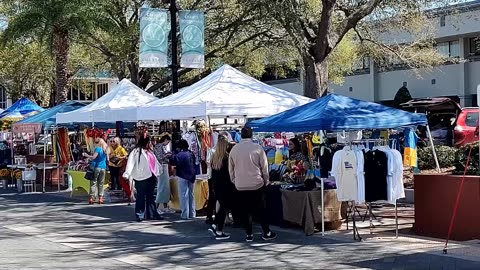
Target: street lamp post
<point>173,32</point>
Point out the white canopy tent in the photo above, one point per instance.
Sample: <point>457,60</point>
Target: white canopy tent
<point>114,106</point>
<point>174,112</point>
<point>227,92</point>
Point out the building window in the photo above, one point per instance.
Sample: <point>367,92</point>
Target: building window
<point>449,48</point>
<point>3,98</point>
<point>102,89</point>
<point>475,46</point>
<point>81,91</point>
<point>442,21</point>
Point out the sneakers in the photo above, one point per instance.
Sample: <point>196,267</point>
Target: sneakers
<point>100,200</point>
<point>269,236</point>
<point>160,212</point>
<point>168,211</point>
<point>222,236</point>
<point>91,201</point>
<point>249,238</point>
<point>213,230</point>
<point>218,236</point>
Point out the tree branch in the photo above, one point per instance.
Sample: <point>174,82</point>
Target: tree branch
<point>352,20</point>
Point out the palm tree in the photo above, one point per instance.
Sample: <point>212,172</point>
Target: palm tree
<point>56,22</point>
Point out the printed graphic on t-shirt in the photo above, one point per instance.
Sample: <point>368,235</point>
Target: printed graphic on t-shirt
<point>348,165</point>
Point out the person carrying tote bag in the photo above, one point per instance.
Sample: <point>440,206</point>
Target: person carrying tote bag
<point>99,164</point>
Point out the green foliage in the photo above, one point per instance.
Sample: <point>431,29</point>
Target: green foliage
<point>461,159</point>
<point>39,19</point>
<point>445,154</point>
<point>53,23</point>
<point>27,70</point>
<point>342,59</point>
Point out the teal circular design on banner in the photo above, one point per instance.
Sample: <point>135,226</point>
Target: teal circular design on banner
<point>153,35</point>
<point>193,36</point>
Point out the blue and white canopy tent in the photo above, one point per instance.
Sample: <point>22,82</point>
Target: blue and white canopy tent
<point>20,109</point>
<point>336,113</point>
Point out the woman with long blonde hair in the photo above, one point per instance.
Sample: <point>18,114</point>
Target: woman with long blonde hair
<point>99,165</point>
<point>223,187</point>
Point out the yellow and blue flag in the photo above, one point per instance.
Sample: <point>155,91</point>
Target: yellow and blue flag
<point>410,149</point>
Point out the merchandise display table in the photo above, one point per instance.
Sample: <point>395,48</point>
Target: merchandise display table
<point>79,183</point>
<point>304,208</point>
<point>200,193</point>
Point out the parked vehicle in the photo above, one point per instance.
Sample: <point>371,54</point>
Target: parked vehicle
<point>466,125</point>
<point>449,123</point>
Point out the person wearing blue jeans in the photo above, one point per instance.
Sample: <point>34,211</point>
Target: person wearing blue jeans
<point>145,208</point>
<point>187,202</point>
<point>184,161</point>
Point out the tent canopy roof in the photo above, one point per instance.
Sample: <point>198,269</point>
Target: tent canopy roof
<point>22,107</point>
<point>229,92</point>
<point>113,106</point>
<point>335,112</point>
<point>48,117</point>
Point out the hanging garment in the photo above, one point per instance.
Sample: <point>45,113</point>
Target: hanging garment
<point>360,176</point>
<point>214,138</point>
<point>194,145</point>
<point>390,171</point>
<point>384,134</point>
<point>324,157</point>
<point>278,156</point>
<point>346,137</point>
<point>398,188</point>
<point>410,150</point>
<point>345,172</point>
<point>376,170</point>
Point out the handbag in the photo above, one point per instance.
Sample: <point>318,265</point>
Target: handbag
<point>89,175</point>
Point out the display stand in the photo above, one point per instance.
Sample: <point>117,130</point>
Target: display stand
<point>371,215</point>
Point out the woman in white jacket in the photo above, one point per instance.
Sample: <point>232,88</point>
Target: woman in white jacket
<point>143,168</point>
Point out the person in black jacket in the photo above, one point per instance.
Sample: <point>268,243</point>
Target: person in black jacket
<point>223,187</point>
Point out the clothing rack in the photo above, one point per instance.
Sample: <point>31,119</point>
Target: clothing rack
<point>352,208</point>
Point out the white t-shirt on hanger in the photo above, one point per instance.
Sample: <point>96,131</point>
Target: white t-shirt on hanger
<point>398,188</point>
<point>346,176</point>
<point>360,176</point>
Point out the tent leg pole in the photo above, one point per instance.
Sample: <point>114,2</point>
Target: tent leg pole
<point>323,206</point>
<point>45,145</point>
<point>433,148</point>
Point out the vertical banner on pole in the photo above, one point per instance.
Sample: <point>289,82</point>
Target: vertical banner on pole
<point>154,31</point>
<point>192,34</point>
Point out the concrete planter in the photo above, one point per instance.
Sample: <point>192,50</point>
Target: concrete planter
<point>435,197</point>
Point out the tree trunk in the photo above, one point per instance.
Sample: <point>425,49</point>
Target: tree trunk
<point>61,48</point>
<point>315,83</point>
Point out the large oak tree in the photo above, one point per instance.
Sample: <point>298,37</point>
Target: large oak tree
<point>317,27</point>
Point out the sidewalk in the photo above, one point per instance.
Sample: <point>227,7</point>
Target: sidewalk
<point>52,232</point>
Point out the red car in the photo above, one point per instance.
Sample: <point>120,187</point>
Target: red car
<point>465,126</point>
<point>449,122</point>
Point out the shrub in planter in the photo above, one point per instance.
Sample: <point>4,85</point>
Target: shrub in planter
<point>461,159</point>
<point>445,154</point>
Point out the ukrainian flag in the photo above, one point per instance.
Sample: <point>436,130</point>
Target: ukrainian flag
<point>410,149</point>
